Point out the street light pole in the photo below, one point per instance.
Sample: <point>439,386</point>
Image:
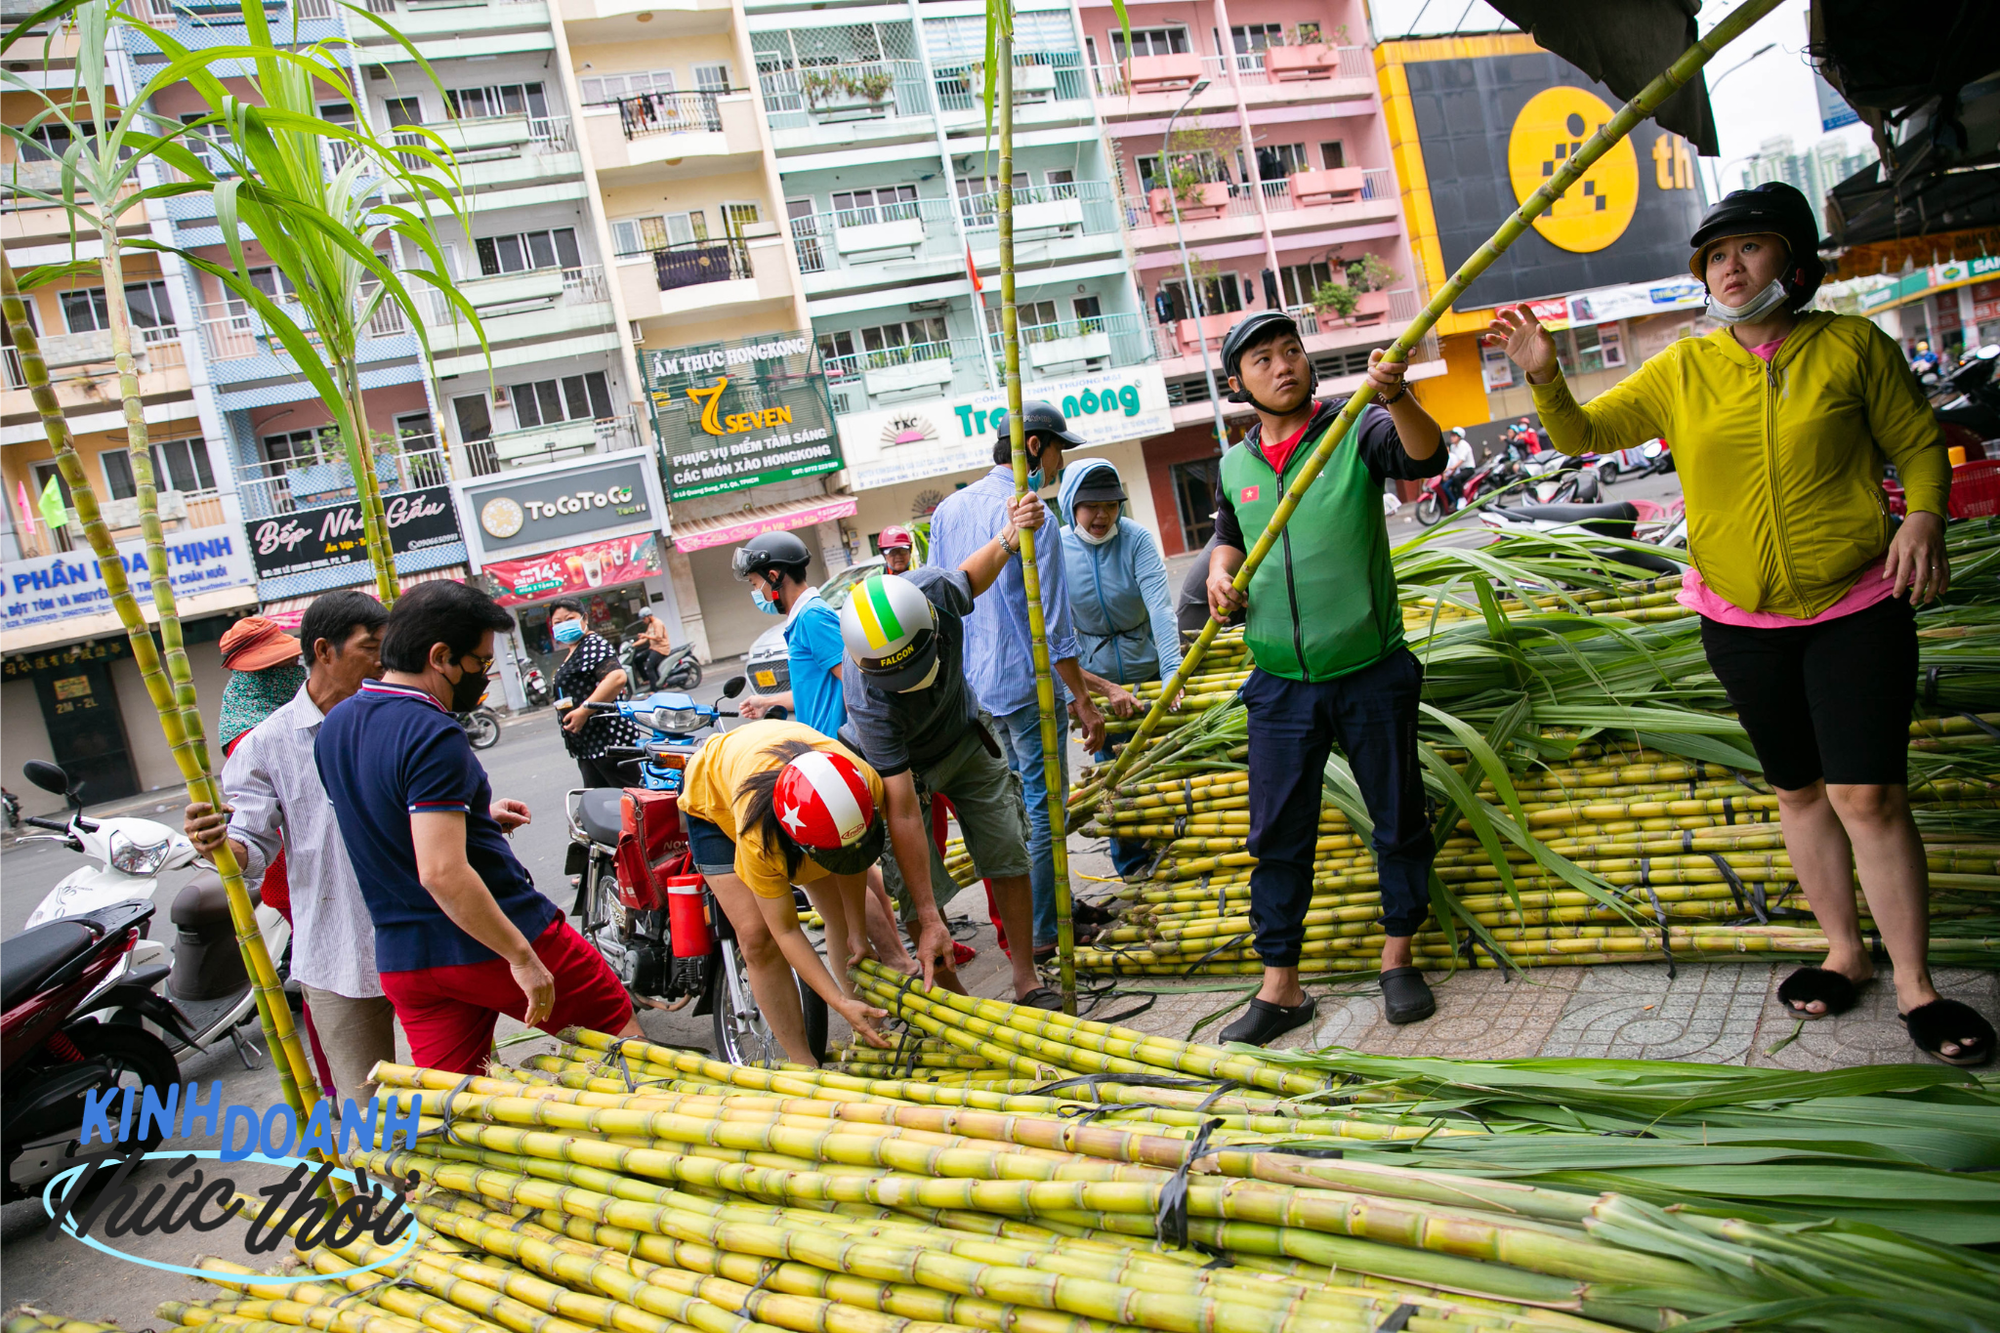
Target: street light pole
<point>1713,84</point>
<point>1187,268</point>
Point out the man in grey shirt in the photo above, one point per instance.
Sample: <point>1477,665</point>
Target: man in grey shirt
<point>922,730</point>
<point>272,798</point>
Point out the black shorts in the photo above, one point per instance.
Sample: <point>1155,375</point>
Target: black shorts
<point>1826,701</point>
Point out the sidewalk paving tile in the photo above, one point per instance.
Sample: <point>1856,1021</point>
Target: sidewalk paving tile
<point>1637,1011</point>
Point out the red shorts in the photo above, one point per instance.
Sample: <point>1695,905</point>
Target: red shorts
<point>448,1012</point>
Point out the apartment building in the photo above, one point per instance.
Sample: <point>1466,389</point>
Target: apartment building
<point>71,692</point>
<point>1253,172</point>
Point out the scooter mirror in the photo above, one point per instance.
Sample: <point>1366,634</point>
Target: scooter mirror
<point>733,687</point>
<point>46,776</point>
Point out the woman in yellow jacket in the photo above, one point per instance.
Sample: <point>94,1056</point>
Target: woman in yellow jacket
<point>1781,421</point>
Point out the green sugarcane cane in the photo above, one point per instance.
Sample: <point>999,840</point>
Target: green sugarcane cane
<point>1001,14</point>
<point>1649,98</point>
<point>295,1076</point>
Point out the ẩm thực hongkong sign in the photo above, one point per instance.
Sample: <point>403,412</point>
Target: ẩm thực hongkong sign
<point>740,414</point>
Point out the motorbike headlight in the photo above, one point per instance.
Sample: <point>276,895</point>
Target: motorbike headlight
<point>138,858</point>
<point>675,719</point>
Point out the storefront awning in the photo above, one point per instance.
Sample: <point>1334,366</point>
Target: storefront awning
<point>729,529</point>
<point>289,611</point>
<point>82,629</point>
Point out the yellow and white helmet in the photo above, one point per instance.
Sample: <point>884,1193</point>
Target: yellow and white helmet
<point>890,629</point>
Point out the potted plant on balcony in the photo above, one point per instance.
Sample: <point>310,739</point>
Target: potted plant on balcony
<point>841,91</point>
<point>1334,298</point>
<point>1369,277</point>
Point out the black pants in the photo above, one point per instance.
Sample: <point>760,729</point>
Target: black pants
<point>1293,726</point>
<point>1830,700</point>
<point>602,773</point>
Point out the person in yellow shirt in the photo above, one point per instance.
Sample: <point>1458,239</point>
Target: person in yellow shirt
<point>772,804</point>
<point>1807,586</point>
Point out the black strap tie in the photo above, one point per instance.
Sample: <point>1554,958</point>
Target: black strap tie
<point>443,1127</point>
<point>1980,722</point>
<point>1735,882</point>
<point>1666,944</point>
<point>617,1050</point>
<point>1222,1089</point>
<point>1170,1222</point>
<point>1398,1319</point>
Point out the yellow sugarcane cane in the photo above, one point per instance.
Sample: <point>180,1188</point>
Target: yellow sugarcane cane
<point>1038,644</point>
<point>295,1076</point>
<point>1649,98</point>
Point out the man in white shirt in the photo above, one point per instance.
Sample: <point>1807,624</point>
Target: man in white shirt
<point>1459,464</point>
<point>272,797</point>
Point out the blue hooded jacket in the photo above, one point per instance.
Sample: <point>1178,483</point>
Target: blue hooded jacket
<point>1119,600</point>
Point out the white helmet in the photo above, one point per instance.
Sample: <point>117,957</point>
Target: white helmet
<point>890,629</point>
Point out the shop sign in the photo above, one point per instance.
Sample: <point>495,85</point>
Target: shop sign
<point>701,538</point>
<point>740,414</point>
<point>932,439</point>
<point>560,504</point>
<point>577,569</point>
<point>329,537</point>
<point>51,588</point>
<point>56,659</point>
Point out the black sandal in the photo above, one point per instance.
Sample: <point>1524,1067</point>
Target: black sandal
<point>1042,997</point>
<point>1829,988</point>
<point>1083,913</point>
<point>1932,1025</point>
<point>1406,996</point>
<point>1266,1022</point>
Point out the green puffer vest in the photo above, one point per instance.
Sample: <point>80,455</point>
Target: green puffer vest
<point>1323,604</point>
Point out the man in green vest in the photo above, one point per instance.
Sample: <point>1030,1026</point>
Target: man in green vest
<point>1326,631</point>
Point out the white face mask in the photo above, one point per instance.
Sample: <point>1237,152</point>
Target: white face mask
<point>930,679</point>
<point>1092,537</point>
<point>1758,306</point>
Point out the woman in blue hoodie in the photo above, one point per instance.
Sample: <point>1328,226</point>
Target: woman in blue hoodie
<point>1122,606</point>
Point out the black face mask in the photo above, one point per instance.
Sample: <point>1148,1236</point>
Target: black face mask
<point>469,689</point>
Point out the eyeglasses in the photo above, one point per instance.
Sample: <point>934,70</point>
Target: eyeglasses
<point>485,663</point>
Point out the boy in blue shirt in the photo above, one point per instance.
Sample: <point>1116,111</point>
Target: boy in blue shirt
<point>461,933</point>
<point>775,564</point>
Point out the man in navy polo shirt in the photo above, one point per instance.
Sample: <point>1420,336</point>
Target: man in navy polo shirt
<point>461,933</point>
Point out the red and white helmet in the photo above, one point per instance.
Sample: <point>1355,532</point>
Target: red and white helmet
<point>823,803</point>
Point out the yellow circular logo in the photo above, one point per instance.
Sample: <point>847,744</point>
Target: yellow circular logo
<point>501,517</point>
<point>1551,129</point>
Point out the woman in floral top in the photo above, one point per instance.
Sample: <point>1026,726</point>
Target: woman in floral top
<point>589,674</point>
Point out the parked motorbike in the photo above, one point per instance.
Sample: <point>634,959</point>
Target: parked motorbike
<point>1545,478</point>
<point>482,727</point>
<point>677,670</point>
<point>209,996</point>
<point>534,686</point>
<point>1641,460</point>
<point>54,1049</point>
<point>11,804</point>
<point>1967,403</point>
<point>643,905</point>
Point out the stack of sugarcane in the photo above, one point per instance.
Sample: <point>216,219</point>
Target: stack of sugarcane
<point>1145,1184</point>
<point>1597,801</point>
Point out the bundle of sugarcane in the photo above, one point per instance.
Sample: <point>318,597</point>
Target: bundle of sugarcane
<point>1629,853</point>
<point>628,1186</point>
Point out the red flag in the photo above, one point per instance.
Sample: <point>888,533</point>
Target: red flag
<point>972,271</point>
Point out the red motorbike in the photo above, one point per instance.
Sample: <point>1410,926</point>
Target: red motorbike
<point>52,1053</point>
<point>1435,503</point>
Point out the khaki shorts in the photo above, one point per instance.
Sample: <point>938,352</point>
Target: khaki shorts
<point>986,798</point>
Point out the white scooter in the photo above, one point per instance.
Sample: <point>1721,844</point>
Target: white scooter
<point>209,996</point>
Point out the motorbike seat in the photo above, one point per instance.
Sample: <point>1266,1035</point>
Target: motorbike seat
<point>601,811</point>
<point>33,956</point>
<point>1619,510</point>
<point>203,904</point>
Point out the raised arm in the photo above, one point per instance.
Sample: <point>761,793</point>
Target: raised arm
<point>983,566</point>
<point>1623,415</point>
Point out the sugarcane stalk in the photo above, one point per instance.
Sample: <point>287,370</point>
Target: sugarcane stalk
<point>1649,98</point>
<point>1001,14</point>
<point>295,1076</point>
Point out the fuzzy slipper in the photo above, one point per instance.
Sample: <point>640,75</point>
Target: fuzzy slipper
<point>1808,984</point>
<point>1932,1025</point>
<point>1090,914</point>
<point>1406,996</point>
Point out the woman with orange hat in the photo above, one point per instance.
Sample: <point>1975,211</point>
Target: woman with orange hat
<point>265,675</point>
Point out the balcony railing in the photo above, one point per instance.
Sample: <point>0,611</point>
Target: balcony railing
<point>1084,206</point>
<point>549,134</point>
<point>796,97</point>
<point>1099,341</point>
<point>698,262</point>
<point>547,443</point>
<point>1039,76</point>
<point>232,331</point>
<point>580,286</point>
<point>924,228</point>
<point>843,369</point>
<point>1252,69</point>
<point>1244,200</point>
<point>672,113</point>
<point>288,485</point>
<point>168,13</point>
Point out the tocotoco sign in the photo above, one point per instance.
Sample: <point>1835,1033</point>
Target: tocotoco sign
<point>562,504</point>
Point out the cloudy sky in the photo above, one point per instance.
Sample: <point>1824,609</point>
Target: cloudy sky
<point>1769,96</point>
